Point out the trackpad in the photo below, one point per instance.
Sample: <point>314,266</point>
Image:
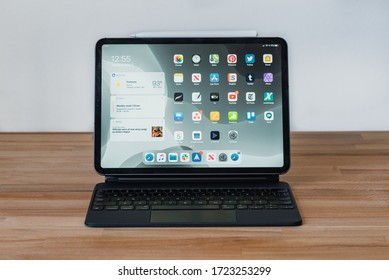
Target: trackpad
<point>193,216</point>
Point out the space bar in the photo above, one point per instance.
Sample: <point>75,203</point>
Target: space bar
<point>185,207</point>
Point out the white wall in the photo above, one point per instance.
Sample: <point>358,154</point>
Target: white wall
<point>338,53</point>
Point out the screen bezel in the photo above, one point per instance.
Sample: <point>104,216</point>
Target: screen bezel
<point>217,171</point>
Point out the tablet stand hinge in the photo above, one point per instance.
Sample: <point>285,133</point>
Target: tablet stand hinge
<point>192,178</point>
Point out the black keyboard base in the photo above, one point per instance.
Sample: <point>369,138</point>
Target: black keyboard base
<point>190,204</point>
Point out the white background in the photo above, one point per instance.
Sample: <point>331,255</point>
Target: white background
<point>338,54</point>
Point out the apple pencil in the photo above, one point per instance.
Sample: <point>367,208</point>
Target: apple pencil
<point>194,34</point>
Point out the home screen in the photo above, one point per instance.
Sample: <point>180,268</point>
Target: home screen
<point>191,105</point>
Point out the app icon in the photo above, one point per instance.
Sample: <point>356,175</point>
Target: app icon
<point>215,135</point>
<point>233,134</point>
<point>233,116</point>
<point>214,116</point>
<point>196,97</point>
<point>268,77</point>
<point>267,58</point>
<point>234,156</point>
<point>196,135</point>
<point>178,135</point>
<point>249,58</point>
<point>178,59</point>
<point>178,97</point>
<point>184,157</point>
<point>211,157</point>
<point>232,77</point>
<point>149,157</point>
<point>232,58</point>
<point>196,157</point>
<point>214,96</point>
<point>268,115</point>
<point>251,116</point>
<point>233,96</point>
<point>178,116</point>
<point>196,116</point>
<point>196,59</point>
<point>214,58</point>
<point>178,77</point>
<point>214,77</point>
<point>268,97</point>
<point>250,96</point>
<point>223,157</point>
<point>196,77</point>
<point>250,77</point>
<point>161,157</point>
<point>173,157</point>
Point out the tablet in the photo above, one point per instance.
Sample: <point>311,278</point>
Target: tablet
<point>191,106</point>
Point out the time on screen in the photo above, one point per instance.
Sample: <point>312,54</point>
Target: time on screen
<point>121,59</point>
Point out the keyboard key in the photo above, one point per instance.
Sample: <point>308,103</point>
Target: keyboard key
<point>97,208</point>
<point>142,207</point>
<point>241,207</point>
<point>286,206</point>
<point>110,208</point>
<point>228,207</point>
<point>256,207</point>
<point>129,207</point>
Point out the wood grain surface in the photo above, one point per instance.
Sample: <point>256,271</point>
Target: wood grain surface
<point>340,180</point>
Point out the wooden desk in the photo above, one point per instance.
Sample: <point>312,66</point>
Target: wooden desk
<point>340,180</point>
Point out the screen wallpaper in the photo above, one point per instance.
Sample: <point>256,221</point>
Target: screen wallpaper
<point>191,105</point>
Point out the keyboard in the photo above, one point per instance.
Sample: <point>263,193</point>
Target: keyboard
<point>191,199</point>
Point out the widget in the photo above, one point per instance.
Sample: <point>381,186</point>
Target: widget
<point>232,58</point>
<point>196,78</point>
<point>196,135</point>
<point>196,59</point>
<point>173,157</point>
<point>233,134</point>
<point>250,96</point>
<point>178,59</point>
<point>267,58</point>
<point>251,116</point>
<point>178,78</point>
<point>268,97</point>
<point>178,97</point>
<point>215,135</point>
<point>214,58</point>
<point>214,96</point>
<point>249,58</point>
<point>214,77</point>
<point>250,77</point>
<point>196,97</point>
<point>233,116</point>
<point>233,96</point>
<point>268,115</point>
<point>178,116</point>
<point>268,77</point>
<point>214,116</point>
<point>232,77</point>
